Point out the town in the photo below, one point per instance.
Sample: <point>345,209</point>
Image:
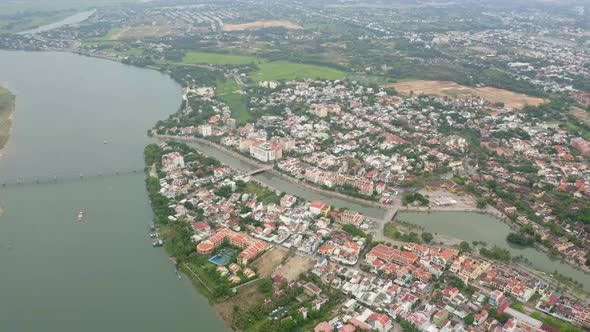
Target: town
<point>326,259</point>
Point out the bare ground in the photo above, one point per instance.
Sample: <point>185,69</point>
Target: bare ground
<point>295,266</point>
<point>143,32</point>
<point>261,25</point>
<point>269,261</point>
<point>246,296</point>
<point>443,88</point>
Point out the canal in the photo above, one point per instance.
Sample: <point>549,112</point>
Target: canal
<point>472,226</point>
<point>101,274</point>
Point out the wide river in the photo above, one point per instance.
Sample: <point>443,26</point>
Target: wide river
<point>102,274</point>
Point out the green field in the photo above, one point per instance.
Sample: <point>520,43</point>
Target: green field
<point>237,103</point>
<point>282,70</point>
<point>219,59</point>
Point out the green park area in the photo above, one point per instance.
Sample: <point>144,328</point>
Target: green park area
<point>218,59</point>
<point>283,70</point>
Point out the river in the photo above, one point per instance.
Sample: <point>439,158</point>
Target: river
<point>472,226</point>
<point>74,19</point>
<point>101,274</point>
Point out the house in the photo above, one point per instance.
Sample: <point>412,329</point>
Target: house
<point>323,327</point>
<point>440,317</point>
<point>172,161</point>
<point>318,207</point>
<point>496,298</point>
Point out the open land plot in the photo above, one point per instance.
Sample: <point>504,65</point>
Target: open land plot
<point>271,259</point>
<point>444,88</point>
<point>295,266</point>
<point>581,115</point>
<point>144,32</point>
<point>246,296</point>
<point>262,25</point>
<point>219,59</point>
<point>283,70</point>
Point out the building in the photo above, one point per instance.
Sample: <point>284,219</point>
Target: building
<point>205,130</point>
<point>252,247</point>
<point>266,151</point>
<point>318,207</point>
<point>351,217</point>
<point>172,161</point>
<point>581,145</point>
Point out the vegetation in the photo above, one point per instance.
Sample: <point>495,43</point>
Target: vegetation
<point>520,239</point>
<point>410,198</point>
<point>465,246</point>
<point>218,59</point>
<point>496,253</point>
<point>556,323</point>
<point>282,70</point>
<point>391,231</point>
<point>7,105</point>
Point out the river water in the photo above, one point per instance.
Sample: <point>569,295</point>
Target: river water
<point>102,274</point>
<point>471,226</point>
<point>74,19</point>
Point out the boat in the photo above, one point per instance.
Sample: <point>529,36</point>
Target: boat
<point>80,216</point>
<point>158,243</point>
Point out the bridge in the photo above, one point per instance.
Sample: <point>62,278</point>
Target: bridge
<point>55,179</point>
<point>259,170</point>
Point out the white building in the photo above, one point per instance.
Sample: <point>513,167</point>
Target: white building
<point>172,161</point>
<point>266,151</point>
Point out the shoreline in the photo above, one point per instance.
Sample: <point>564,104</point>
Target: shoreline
<point>7,110</point>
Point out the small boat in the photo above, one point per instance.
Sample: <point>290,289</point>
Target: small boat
<point>158,243</point>
<point>80,216</point>
<point>152,227</point>
<point>104,142</point>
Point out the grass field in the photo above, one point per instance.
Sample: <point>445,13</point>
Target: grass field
<point>282,70</point>
<point>237,103</point>
<point>219,59</point>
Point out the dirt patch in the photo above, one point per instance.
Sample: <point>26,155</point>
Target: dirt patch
<point>443,88</point>
<point>261,25</point>
<point>269,261</point>
<point>144,32</point>
<point>295,266</point>
<point>246,296</point>
<point>582,115</point>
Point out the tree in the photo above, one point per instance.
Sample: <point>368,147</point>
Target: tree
<point>464,246</point>
<point>469,320</point>
<point>427,237</point>
<point>265,285</point>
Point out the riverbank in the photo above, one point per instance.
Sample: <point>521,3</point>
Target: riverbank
<point>7,108</point>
